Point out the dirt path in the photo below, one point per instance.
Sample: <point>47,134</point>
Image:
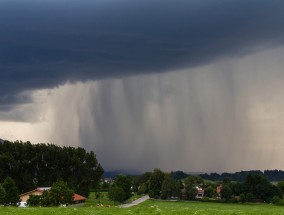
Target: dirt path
<point>136,202</point>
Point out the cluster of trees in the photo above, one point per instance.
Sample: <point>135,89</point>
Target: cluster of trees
<point>120,190</point>
<point>271,175</point>
<point>58,194</point>
<point>41,165</point>
<point>256,187</point>
<point>9,194</point>
<point>158,184</point>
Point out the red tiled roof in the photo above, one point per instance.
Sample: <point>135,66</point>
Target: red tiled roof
<point>77,197</point>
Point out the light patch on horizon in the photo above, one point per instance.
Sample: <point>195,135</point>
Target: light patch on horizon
<point>226,116</point>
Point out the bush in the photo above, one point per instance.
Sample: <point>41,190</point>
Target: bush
<point>2,194</point>
<point>249,197</point>
<point>243,198</point>
<point>34,200</point>
<point>275,200</point>
<point>226,193</point>
<point>116,194</point>
<point>60,193</point>
<point>12,195</point>
<point>191,193</point>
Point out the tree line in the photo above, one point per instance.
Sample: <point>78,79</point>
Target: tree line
<point>271,175</point>
<point>41,165</point>
<point>160,185</point>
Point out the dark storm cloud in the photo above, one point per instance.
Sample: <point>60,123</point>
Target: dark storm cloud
<point>46,43</point>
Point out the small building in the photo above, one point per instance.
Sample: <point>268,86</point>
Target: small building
<point>37,192</point>
<point>200,192</point>
<point>108,180</point>
<point>219,189</point>
<point>78,200</point>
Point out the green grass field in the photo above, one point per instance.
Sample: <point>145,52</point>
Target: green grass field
<point>104,200</point>
<point>156,207</point>
<point>93,200</point>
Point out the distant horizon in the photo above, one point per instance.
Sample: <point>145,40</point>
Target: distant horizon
<point>136,171</point>
<point>130,172</point>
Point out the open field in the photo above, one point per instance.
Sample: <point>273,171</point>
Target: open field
<point>93,200</point>
<point>104,200</point>
<point>156,207</point>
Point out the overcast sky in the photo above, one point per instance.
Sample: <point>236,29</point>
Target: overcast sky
<point>194,85</point>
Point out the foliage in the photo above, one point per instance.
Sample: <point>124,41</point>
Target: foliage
<point>280,185</point>
<point>192,181</point>
<point>169,187</point>
<point>143,188</point>
<point>2,194</point>
<point>155,183</point>
<point>249,197</point>
<point>60,193</point>
<point>246,197</point>
<point>117,194</point>
<point>41,165</point>
<point>46,199</point>
<point>276,200</point>
<point>243,198</point>
<point>226,181</point>
<point>237,188</point>
<point>178,175</point>
<point>226,192</point>
<point>209,192</point>
<point>191,193</point>
<point>123,182</point>
<point>190,184</point>
<point>34,200</point>
<point>12,194</point>
<point>103,200</point>
<point>271,175</point>
<point>260,187</point>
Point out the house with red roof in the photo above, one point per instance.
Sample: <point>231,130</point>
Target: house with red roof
<point>78,200</point>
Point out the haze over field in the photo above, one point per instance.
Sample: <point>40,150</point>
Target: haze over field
<point>195,85</point>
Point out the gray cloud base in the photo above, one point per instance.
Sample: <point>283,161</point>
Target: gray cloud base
<point>44,44</point>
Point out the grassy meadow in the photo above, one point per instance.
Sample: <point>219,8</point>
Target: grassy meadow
<point>103,199</point>
<point>155,207</point>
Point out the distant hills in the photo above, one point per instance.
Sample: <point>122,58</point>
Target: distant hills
<point>113,173</point>
<point>271,175</point>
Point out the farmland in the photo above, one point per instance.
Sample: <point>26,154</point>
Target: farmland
<point>155,207</point>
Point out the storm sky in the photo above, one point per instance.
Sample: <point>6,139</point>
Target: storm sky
<point>193,85</point>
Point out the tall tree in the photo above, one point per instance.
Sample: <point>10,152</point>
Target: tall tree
<point>226,192</point>
<point>169,187</point>
<point>192,181</point>
<point>123,182</point>
<point>155,183</point>
<point>190,185</point>
<point>12,194</point>
<point>191,193</point>
<point>116,194</point>
<point>60,193</point>
<point>43,164</point>
<point>2,194</point>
